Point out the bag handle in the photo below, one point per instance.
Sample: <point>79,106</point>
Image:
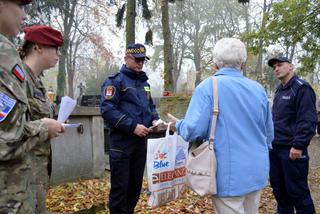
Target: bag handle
<point>168,130</point>
<point>215,109</point>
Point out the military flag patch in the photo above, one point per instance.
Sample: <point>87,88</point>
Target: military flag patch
<point>19,73</point>
<point>109,92</point>
<point>6,105</point>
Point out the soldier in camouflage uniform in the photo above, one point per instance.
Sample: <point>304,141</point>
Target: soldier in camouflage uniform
<point>18,135</point>
<point>40,52</point>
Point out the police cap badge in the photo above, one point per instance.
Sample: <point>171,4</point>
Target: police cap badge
<point>137,51</point>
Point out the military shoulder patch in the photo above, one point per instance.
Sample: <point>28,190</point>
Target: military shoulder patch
<point>109,92</point>
<point>6,105</point>
<point>19,73</point>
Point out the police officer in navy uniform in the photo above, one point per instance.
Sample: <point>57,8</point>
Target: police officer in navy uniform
<point>295,118</point>
<point>128,110</point>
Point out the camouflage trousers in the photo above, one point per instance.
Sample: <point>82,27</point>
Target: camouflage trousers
<point>15,190</point>
<point>40,182</point>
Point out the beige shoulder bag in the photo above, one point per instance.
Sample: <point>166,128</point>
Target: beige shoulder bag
<point>201,162</point>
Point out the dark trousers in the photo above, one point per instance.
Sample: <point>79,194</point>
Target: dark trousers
<point>127,163</point>
<point>289,181</point>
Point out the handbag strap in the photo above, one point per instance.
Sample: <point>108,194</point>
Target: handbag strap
<point>215,109</point>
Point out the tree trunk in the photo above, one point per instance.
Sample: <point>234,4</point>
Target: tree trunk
<point>178,66</point>
<point>258,70</point>
<point>67,8</point>
<point>70,83</point>
<point>198,71</point>
<point>61,79</point>
<point>130,22</point>
<point>248,27</point>
<point>197,61</point>
<point>167,47</point>
<point>197,52</point>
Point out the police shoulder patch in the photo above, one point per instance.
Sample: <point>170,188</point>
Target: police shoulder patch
<point>109,92</point>
<point>19,73</point>
<point>6,105</point>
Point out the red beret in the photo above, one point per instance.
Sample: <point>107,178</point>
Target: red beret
<point>43,35</point>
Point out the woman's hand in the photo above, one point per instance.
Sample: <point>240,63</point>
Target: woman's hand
<point>172,124</point>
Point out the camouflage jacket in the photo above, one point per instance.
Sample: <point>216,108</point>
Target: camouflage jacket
<point>18,135</point>
<point>40,106</point>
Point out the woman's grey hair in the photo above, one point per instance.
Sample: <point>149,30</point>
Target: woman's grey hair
<point>229,52</point>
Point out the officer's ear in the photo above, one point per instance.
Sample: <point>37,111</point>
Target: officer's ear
<point>125,58</point>
<point>291,67</point>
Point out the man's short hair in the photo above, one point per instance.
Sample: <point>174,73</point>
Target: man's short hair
<point>229,52</point>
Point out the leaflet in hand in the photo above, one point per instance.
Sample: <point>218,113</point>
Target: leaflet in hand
<point>71,125</point>
<point>67,105</point>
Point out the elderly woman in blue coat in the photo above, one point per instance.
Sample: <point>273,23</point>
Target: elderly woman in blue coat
<point>243,134</point>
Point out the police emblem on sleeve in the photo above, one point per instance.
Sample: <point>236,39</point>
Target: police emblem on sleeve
<point>6,105</point>
<point>109,92</point>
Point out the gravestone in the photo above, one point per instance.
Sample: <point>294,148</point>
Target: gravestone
<point>90,100</point>
<point>79,152</point>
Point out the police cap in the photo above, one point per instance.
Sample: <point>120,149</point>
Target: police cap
<point>278,59</point>
<point>137,51</point>
<point>43,35</point>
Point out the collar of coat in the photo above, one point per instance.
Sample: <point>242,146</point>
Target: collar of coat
<point>134,75</point>
<point>229,72</point>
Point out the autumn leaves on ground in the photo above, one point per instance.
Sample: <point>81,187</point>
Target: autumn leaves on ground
<point>91,197</point>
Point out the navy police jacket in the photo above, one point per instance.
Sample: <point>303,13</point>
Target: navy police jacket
<point>294,114</point>
<point>126,101</point>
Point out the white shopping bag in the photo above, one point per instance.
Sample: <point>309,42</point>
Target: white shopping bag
<point>166,160</point>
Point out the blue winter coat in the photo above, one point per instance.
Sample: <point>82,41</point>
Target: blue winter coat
<point>243,134</point>
<point>126,101</point>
